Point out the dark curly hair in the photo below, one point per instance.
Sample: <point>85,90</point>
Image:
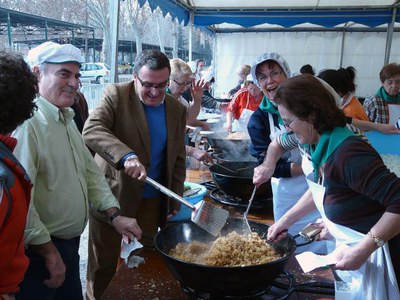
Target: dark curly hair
<point>308,99</point>
<point>307,69</point>
<point>342,80</point>
<point>18,89</point>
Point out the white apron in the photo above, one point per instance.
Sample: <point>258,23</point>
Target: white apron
<point>241,123</point>
<point>376,276</point>
<point>287,191</point>
<point>394,114</point>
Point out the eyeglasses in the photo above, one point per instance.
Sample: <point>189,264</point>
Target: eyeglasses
<point>390,82</point>
<point>288,124</point>
<point>189,83</point>
<point>273,75</point>
<point>149,85</point>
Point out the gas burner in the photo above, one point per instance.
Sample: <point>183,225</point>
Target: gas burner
<point>280,289</point>
<point>219,196</point>
<point>285,286</point>
<point>210,185</point>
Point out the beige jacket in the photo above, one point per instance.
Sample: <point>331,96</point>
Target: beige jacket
<point>118,126</point>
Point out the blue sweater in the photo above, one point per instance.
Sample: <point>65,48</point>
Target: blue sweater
<point>259,131</point>
<point>156,121</point>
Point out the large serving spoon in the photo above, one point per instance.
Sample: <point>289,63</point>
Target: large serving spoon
<point>247,227</point>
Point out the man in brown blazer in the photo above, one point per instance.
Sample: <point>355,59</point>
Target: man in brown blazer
<point>136,131</point>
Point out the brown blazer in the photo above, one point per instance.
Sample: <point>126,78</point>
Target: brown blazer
<point>119,126</point>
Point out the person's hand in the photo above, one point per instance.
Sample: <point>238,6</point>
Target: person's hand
<point>277,231</point>
<point>201,155</point>
<point>229,127</point>
<point>324,234</point>
<point>56,268</point>
<point>352,258</point>
<point>53,263</point>
<point>134,168</point>
<point>262,174</point>
<point>197,90</point>
<point>204,125</point>
<point>7,297</point>
<point>172,213</point>
<point>387,128</point>
<point>127,227</point>
<point>223,106</point>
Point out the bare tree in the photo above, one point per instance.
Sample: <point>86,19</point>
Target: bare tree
<point>175,37</point>
<point>137,24</point>
<point>135,18</point>
<point>65,10</point>
<point>160,32</point>
<point>99,17</point>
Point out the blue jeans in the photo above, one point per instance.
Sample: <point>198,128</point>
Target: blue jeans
<point>32,287</point>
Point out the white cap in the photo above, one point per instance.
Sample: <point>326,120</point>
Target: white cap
<point>208,75</point>
<point>249,78</point>
<point>53,53</point>
<point>269,56</point>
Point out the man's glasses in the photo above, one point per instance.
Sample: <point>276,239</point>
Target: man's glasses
<point>288,124</point>
<point>189,83</point>
<point>149,85</point>
<point>273,75</point>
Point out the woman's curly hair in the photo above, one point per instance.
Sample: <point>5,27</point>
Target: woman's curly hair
<point>307,98</point>
<point>18,89</point>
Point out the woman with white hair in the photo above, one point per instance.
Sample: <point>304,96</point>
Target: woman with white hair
<point>242,71</point>
<point>181,80</point>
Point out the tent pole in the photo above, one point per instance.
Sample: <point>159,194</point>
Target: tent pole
<point>191,35</point>
<point>342,46</point>
<point>389,36</point>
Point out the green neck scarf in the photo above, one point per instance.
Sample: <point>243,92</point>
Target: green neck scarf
<point>326,145</point>
<point>267,106</point>
<point>381,93</point>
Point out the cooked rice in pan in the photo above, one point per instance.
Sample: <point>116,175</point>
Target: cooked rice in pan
<point>228,251</point>
<point>238,135</point>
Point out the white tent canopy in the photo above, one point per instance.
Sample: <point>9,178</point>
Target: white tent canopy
<point>323,33</point>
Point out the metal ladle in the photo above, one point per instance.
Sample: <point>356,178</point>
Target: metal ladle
<point>247,228</point>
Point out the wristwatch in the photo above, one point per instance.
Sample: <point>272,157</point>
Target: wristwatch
<point>377,241</point>
<point>114,215</point>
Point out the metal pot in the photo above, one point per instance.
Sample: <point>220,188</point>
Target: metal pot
<point>220,141</point>
<point>232,157</point>
<point>240,183</point>
<point>228,281</point>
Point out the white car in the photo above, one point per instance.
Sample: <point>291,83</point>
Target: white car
<point>99,72</point>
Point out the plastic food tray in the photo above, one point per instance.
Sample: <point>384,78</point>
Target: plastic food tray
<point>185,212</point>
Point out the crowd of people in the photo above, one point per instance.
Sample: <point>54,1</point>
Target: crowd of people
<point>61,167</point>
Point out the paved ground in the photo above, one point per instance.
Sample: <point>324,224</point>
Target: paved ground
<point>83,254</point>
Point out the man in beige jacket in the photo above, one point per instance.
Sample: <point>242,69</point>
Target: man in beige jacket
<point>136,131</point>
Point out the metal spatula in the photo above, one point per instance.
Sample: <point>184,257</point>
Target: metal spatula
<point>247,228</point>
<point>208,216</point>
